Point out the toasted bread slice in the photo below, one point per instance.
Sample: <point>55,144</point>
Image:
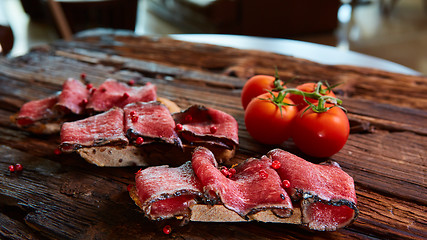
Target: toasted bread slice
<point>172,106</point>
<point>219,213</point>
<point>152,154</point>
<point>146,155</point>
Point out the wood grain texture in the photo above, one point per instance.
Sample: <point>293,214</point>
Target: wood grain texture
<point>64,197</point>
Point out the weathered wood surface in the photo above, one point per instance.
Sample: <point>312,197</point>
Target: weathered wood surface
<point>63,197</point>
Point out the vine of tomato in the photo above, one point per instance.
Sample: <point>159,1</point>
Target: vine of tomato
<point>309,88</point>
<point>268,118</point>
<point>320,134</point>
<point>256,86</point>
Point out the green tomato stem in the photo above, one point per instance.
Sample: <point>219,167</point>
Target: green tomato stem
<point>317,94</point>
<point>278,100</point>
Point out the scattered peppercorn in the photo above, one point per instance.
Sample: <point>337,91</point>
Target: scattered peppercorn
<point>225,172</point>
<point>83,75</point>
<point>213,129</point>
<point>84,102</point>
<point>178,127</point>
<point>139,140</point>
<point>131,82</point>
<point>263,174</point>
<point>286,183</point>
<point>275,164</point>
<point>89,86</point>
<point>15,168</point>
<point>57,151</point>
<point>125,95</point>
<point>167,229</point>
<point>18,167</point>
<point>134,119</point>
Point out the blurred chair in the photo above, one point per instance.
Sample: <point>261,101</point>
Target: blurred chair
<point>6,39</point>
<point>72,16</point>
<point>60,19</point>
<point>268,18</point>
<point>6,34</point>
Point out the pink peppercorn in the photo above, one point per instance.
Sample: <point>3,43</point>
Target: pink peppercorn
<point>139,140</point>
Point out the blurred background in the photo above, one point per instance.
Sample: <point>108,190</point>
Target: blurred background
<point>395,30</point>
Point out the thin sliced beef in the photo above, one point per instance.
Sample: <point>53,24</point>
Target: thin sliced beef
<point>325,191</point>
<point>74,96</point>
<point>116,94</point>
<point>37,111</point>
<point>327,216</point>
<point>254,187</point>
<point>45,116</point>
<point>166,192</point>
<point>152,121</point>
<point>201,124</point>
<point>103,129</point>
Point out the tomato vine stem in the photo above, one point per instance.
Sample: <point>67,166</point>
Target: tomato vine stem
<point>277,82</point>
<point>319,95</point>
<point>277,100</point>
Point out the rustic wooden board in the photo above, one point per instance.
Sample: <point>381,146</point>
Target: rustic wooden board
<point>63,197</point>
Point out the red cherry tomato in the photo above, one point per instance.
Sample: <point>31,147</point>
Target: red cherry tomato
<point>321,134</point>
<point>256,86</point>
<point>266,123</point>
<point>308,88</point>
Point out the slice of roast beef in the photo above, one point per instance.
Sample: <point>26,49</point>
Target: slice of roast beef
<point>199,123</point>
<point>103,129</point>
<point>164,192</point>
<point>326,193</point>
<point>45,116</point>
<point>112,93</point>
<point>74,97</point>
<point>210,128</point>
<point>36,111</point>
<point>254,187</point>
<point>152,121</point>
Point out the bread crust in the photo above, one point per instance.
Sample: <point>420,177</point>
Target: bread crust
<point>172,106</point>
<point>39,127</point>
<point>152,154</point>
<point>146,155</point>
<point>219,213</point>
